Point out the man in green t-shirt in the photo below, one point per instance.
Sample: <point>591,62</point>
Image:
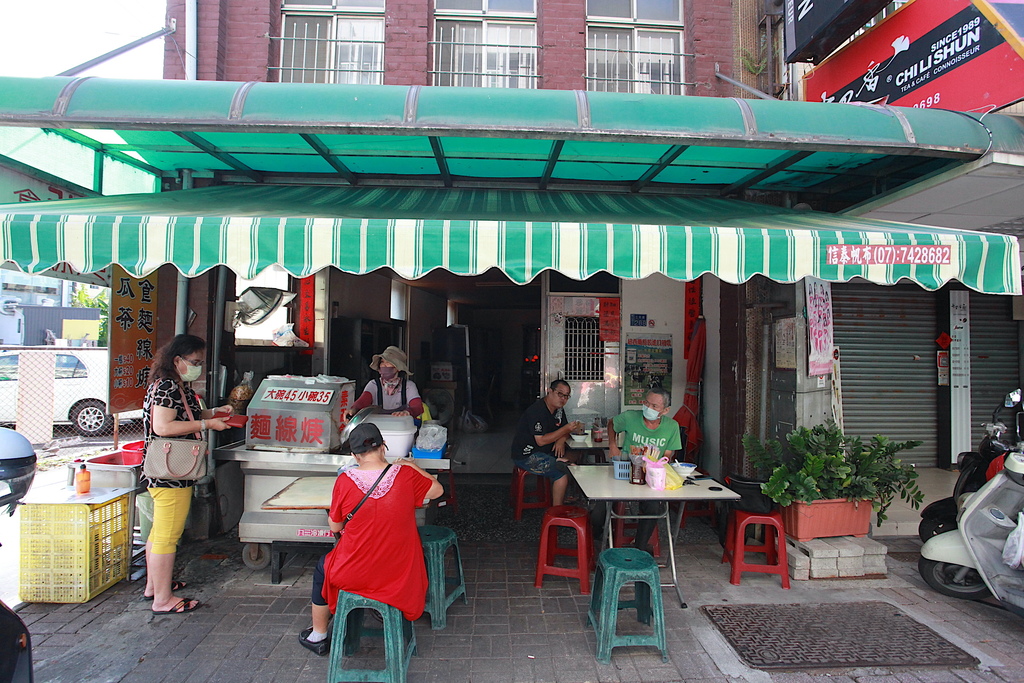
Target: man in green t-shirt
<point>649,433</point>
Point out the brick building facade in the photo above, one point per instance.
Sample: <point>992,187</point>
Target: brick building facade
<point>662,46</point>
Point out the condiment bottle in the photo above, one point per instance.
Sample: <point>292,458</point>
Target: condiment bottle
<point>637,472</point>
<point>83,481</point>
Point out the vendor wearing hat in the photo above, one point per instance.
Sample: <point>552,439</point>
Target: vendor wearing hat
<point>393,391</point>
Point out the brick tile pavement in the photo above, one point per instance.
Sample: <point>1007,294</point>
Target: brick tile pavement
<point>509,632</point>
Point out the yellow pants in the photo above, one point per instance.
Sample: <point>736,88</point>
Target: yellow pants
<point>170,508</point>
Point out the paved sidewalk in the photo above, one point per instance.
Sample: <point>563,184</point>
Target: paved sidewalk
<point>509,631</point>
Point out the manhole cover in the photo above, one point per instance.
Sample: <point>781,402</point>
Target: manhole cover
<point>904,556</point>
<point>832,636</point>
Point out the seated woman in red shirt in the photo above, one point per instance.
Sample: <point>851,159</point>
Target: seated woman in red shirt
<point>379,555</point>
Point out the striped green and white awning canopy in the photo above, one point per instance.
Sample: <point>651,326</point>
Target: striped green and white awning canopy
<point>468,232</point>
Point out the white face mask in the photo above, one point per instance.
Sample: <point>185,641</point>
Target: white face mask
<point>191,373</point>
<point>650,413</point>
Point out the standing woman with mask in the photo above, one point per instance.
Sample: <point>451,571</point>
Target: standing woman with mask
<point>165,412</point>
<point>393,391</point>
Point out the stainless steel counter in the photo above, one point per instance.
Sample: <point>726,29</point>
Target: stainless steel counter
<point>267,472</point>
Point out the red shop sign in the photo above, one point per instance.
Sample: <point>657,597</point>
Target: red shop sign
<point>944,54</point>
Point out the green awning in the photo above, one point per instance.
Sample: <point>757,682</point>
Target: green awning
<point>468,232</point>
<point>835,155</point>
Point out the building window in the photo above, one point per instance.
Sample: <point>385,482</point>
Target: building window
<point>345,46</point>
<point>635,46</point>
<point>488,43</point>
<point>584,351</point>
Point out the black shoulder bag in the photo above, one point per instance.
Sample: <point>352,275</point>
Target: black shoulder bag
<point>344,522</point>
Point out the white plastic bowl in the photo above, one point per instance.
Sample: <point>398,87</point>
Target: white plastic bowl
<point>578,438</point>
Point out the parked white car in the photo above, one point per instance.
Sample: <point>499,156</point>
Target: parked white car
<point>80,388</point>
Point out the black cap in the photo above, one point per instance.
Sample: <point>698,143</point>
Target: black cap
<point>365,436</point>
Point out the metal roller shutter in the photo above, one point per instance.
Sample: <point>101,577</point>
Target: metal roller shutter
<point>995,359</point>
<point>886,337</point>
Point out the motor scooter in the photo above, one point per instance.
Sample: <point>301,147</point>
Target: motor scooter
<point>968,563</point>
<point>17,470</point>
<point>940,516</point>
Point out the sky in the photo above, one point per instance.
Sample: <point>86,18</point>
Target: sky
<point>45,37</point>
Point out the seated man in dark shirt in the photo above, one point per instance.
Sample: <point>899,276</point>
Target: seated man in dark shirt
<point>539,443</point>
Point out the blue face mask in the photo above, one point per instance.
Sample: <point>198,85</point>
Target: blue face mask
<point>650,413</point>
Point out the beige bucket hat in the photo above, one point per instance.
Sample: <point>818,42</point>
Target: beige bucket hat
<point>393,355</point>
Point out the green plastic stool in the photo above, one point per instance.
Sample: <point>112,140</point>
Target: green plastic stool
<point>615,568</point>
<point>399,640</point>
<point>436,540</point>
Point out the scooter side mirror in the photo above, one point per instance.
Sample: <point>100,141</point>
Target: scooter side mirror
<point>1012,398</point>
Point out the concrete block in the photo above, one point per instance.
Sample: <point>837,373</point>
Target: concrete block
<point>850,567</point>
<point>846,547</point>
<point>817,548</point>
<point>798,560</point>
<point>850,564</point>
<point>871,546</point>
<point>824,570</point>
<point>799,574</point>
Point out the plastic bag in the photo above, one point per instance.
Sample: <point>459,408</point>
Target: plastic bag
<point>241,395</point>
<point>470,423</point>
<point>673,480</point>
<point>656,474</point>
<point>283,336</point>
<point>433,436</point>
<point>1013,549</point>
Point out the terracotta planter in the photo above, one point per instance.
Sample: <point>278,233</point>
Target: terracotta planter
<point>826,518</point>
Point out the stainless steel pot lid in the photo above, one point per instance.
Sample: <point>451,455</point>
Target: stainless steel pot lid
<point>356,419</point>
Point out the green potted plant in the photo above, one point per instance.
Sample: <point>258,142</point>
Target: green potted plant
<point>822,485</point>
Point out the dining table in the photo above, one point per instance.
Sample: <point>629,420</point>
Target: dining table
<point>598,483</point>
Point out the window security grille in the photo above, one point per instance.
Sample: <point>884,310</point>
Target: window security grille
<point>584,351</point>
<point>653,67</point>
<point>485,54</point>
<point>320,49</point>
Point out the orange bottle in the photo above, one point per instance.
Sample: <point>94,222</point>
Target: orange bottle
<point>83,481</point>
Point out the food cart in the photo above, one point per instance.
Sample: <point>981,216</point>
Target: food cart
<point>294,431</point>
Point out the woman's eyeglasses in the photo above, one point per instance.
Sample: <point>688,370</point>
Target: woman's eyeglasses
<point>193,363</point>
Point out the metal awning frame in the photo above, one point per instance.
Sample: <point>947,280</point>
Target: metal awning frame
<point>911,146</point>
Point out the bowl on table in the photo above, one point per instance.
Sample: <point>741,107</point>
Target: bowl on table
<point>685,469</point>
<point>578,438</point>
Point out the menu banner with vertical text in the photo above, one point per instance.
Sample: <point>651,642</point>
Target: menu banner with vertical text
<point>132,332</point>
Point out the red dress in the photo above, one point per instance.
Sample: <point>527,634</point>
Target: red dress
<point>379,556</point>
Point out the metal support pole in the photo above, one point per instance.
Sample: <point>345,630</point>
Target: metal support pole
<point>75,70</point>
<point>743,86</point>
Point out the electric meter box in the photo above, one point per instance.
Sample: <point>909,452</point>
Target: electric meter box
<point>299,413</point>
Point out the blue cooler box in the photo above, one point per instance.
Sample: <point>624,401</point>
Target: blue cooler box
<point>429,455</point>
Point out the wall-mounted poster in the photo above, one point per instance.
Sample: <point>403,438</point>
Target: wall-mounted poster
<point>819,326</point>
<point>132,338</point>
<point>610,317</point>
<point>648,364</point>
<point>785,343</point>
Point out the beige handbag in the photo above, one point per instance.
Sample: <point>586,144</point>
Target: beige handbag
<point>180,458</point>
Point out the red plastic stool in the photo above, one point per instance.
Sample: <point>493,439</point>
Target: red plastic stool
<point>774,546</point>
<point>698,508</point>
<point>620,526</point>
<point>539,495</point>
<point>574,518</point>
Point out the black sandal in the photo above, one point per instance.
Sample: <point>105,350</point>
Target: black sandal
<point>320,649</point>
<point>175,586</point>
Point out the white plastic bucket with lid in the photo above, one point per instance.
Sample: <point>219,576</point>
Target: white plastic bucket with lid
<point>399,433</point>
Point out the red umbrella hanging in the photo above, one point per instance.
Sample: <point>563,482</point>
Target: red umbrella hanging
<point>687,415</point>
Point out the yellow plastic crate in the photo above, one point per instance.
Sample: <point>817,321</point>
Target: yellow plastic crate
<point>73,552</point>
